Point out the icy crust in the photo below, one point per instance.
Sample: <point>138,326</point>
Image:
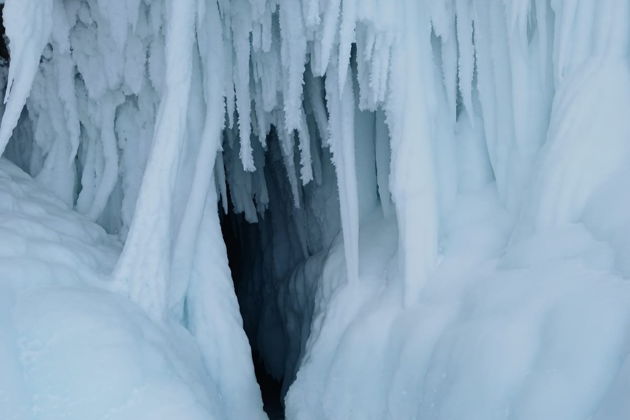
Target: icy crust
<point>69,347</point>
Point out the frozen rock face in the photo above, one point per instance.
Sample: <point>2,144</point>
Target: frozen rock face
<point>426,199</point>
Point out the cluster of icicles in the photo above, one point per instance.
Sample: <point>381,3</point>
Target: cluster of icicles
<point>133,105</point>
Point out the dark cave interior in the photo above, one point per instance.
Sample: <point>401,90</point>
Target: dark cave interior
<point>235,231</point>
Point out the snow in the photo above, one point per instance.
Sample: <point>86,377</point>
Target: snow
<point>411,209</point>
<point>71,347</point>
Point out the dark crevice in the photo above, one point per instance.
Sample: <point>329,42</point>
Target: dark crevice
<point>271,390</point>
<point>238,234</point>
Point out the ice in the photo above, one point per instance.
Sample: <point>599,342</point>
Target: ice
<point>144,264</point>
<point>29,25</point>
<point>341,141</point>
<point>398,210</point>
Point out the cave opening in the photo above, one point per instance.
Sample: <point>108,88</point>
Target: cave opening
<point>268,240</point>
<point>279,229</point>
<point>237,234</point>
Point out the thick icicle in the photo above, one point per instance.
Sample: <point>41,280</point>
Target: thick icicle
<point>306,164</point>
<point>293,54</point>
<point>210,47</point>
<point>240,33</point>
<point>413,178</point>
<point>144,265</point>
<point>341,109</point>
<point>109,175</point>
<point>28,25</point>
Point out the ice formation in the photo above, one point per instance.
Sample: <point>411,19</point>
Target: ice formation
<point>423,203</point>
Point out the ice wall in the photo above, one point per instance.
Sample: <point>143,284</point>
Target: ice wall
<point>447,143</point>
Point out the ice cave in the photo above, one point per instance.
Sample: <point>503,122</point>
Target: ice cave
<point>315,210</point>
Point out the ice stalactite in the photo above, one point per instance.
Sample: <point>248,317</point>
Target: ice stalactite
<point>209,132</point>
<point>409,117</point>
<point>341,141</point>
<point>145,262</point>
<point>28,25</point>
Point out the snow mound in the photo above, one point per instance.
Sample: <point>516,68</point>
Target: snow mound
<point>527,328</point>
<point>69,347</point>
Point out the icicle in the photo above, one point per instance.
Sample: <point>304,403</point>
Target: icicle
<point>144,264</point>
<point>383,157</point>
<point>258,8</point>
<point>28,26</point>
<point>109,176</point>
<point>506,163</point>
<point>261,124</point>
<point>380,68</point>
<point>466,53</point>
<point>341,141</point>
<point>311,13</point>
<point>266,28</point>
<point>304,137</point>
<point>413,178</point>
<point>117,20</point>
<point>565,12</point>
<point>326,42</point>
<point>316,102</point>
<point>346,38</point>
<point>542,26</point>
<point>241,28</point>
<point>210,47</point>
<point>261,193</point>
<point>316,149</point>
<point>488,81</point>
<point>364,53</point>
<point>287,148</point>
<point>66,73</point>
<point>268,72</point>
<point>228,65</point>
<point>446,30</point>
<point>365,162</point>
<point>293,55</point>
<point>219,174</point>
